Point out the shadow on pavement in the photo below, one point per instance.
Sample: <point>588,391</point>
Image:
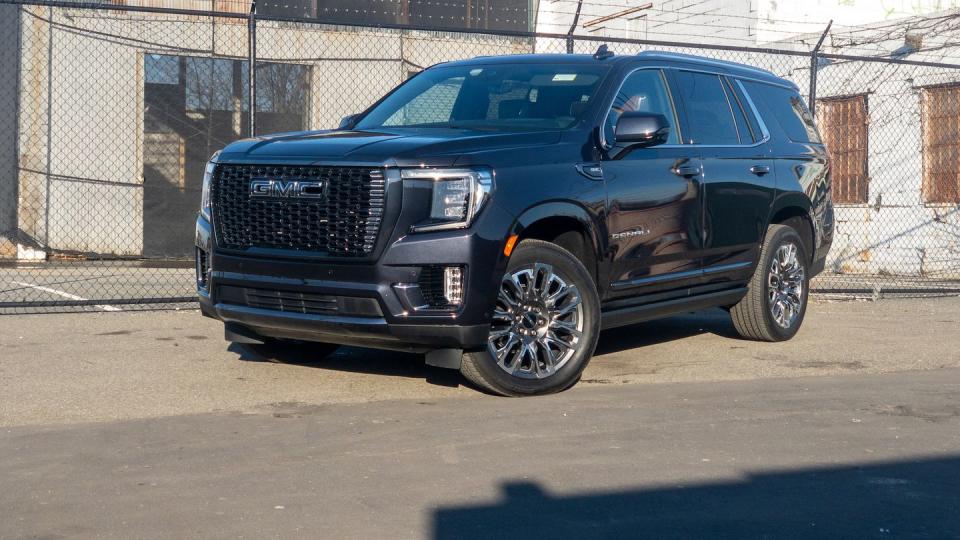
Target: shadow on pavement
<point>352,360</point>
<point>913,499</point>
<point>712,321</point>
<point>399,364</point>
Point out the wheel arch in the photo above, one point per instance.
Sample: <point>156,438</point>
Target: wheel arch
<point>797,215</point>
<point>568,225</point>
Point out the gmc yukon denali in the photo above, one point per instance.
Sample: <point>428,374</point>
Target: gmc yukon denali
<point>497,213</point>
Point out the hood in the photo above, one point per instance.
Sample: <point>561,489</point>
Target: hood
<point>400,147</point>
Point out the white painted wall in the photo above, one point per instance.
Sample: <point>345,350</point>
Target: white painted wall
<point>777,20</point>
<point>706,21</point>
<point>728,22</point>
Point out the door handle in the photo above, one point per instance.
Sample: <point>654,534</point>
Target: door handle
<point>686,170</point>
<point>760,170</point>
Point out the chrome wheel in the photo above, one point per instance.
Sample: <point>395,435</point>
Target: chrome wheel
<point>537,323</point>
<point>785,283</point>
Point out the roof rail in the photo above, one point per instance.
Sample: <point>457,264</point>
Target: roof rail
<point>704,60</point>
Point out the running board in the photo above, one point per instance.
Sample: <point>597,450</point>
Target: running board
<point>647,312</point>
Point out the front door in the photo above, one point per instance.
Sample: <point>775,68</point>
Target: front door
<point>654,199</point>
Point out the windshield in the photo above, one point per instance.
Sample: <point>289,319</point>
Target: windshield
<point>504,97</point>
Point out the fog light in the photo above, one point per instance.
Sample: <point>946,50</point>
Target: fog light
<point>453,285</point>
<point>203,270</point>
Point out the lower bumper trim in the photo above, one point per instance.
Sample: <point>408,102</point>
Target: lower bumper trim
<point>356,331</point>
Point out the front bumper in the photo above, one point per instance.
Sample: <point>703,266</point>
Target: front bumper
<point>355,331</point>
<point>388,284</point>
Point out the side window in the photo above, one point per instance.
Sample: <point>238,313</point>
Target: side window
<point>431,107</point>
<point>643,91</point>
<point>788,108</point>
<point>708,111</point>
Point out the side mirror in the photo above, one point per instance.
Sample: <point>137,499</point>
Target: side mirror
<point>641,129</point>
<point>347,121</point>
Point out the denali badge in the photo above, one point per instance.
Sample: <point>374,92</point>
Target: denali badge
<point>282,189</point>
<point>642,231</point>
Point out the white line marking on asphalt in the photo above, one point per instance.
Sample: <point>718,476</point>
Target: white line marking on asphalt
<point>66,295</point>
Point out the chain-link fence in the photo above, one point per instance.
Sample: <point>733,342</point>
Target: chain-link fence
<point>110,112</point>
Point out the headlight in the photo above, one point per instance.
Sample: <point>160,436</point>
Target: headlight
<point>458,195</point>
<point>205,191</point>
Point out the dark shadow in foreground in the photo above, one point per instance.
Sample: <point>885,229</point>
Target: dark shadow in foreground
<point>915,499</point>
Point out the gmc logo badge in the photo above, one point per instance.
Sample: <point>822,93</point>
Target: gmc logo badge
<point>282,189</point>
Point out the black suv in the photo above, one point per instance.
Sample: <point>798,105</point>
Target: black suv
<point>497,213</point>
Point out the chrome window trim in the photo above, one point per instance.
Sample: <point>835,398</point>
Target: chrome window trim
<point>736,78</point>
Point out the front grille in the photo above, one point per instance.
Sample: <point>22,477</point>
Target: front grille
<point>298,302</point>
<point>316,304</point>
<point>344,223</point>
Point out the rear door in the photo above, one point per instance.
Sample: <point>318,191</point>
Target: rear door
<point>738,177</point>
<point>654,208</point>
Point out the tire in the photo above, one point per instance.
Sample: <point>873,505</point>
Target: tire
<point>294,352</point>
<point>776,299</point>
<point>551,333</point>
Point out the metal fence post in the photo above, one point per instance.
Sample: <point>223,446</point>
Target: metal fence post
<point>252,67</point>
<point>814,61</point>
<point>576,19</point>
<point>49,142</point>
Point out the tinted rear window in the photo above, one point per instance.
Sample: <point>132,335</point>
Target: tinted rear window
<point>788,108</point>
<point>708,109</point>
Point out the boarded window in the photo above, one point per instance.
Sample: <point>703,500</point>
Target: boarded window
<point>843,123</point>
<point>941,144</point>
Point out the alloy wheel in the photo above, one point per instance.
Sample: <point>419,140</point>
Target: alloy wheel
<point>785,282</point>
<point>537,323</point>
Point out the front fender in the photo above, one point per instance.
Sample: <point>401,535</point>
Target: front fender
<point>590,222</point>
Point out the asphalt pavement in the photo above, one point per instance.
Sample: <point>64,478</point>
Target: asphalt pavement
<point>865,456</point>
<point>107,366</point>
<point>149,425</point>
